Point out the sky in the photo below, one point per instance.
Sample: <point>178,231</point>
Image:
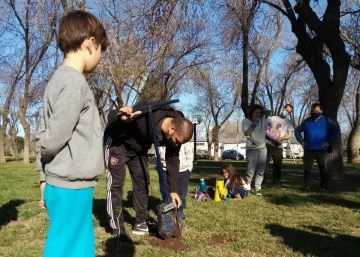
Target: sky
<point>186,99</point>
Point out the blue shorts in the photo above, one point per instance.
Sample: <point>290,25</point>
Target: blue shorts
<point>71,230</point>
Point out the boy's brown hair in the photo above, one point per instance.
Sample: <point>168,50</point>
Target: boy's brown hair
<point>77,26</point>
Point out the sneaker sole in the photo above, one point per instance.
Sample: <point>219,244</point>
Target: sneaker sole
<point>140,233</point>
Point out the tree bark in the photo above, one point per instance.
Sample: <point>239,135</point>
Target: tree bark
<point>2,145</point>
<point>245,85</point>
<point>311,48</point>
<point>353,147</point>
<point>27,145</point>
<point>26,127</point>
<point>209,141</point>
<point>215,137</point>
<point>31,61</point>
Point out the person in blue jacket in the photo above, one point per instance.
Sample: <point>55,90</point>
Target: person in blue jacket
<point>319,134</point>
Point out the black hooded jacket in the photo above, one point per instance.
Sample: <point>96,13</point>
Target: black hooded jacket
<point>135,135</point>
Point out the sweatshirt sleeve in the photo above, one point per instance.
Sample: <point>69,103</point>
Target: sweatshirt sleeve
<point>162,151</point>
<point>61,124</point>
<point>189,153</point>
<point>246,123</point>
<point>298,132</point>
<point>39,164</point>
<point>172,168</point>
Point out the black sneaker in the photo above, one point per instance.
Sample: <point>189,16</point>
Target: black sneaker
<point>140,229</point>
<point>258,193</point>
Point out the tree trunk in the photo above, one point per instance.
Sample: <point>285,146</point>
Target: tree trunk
<point>245,84</point>
<point>215,139</point>
<point>353,147</point>
<point>335,162</point>
<point>2,145</point>
<point>27,144</point>
<point>26,127</point>
<point>209,143</point>
<point>12,135</point>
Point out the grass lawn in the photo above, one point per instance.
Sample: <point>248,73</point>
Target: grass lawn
<point>284,222</point>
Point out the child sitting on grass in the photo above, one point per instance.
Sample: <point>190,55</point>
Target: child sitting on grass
<point>238,186</point>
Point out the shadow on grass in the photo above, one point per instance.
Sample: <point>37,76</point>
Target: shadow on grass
<point>318,198</point>
<point>113,248</point>
<point>99,210</point>
<point>314,244</point>
<point>9,212</point>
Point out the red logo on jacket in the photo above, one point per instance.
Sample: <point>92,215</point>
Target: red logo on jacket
<point>113,161</point>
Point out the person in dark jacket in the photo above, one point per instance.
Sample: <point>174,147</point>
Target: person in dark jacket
<point>320,133</point>
<point>127,143</point>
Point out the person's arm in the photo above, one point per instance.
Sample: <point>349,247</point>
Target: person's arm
<point>162,156</point>
<point>298,132</point>
<point>124,114</point>
<point>189,153</point>
<point>172,172</point>
<point>61,124</point>
<point>248,127</point>
<point>39,164</point>
<point>287,136</point>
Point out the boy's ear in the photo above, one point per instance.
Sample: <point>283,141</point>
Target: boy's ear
<point>90,45</point>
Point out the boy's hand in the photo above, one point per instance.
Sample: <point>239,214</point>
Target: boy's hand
<point>41,202</point>
<point>126,113</point>
<point>176,199</point>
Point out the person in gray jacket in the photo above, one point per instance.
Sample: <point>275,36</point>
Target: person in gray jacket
<point>254,129</point>
<point>69,142</point>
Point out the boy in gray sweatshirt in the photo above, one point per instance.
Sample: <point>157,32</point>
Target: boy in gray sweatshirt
<point>69,142</point>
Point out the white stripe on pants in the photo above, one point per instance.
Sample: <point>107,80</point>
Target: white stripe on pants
<point>109,208</point>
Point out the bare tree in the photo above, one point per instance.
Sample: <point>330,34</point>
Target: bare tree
<point>241,15</point>
<point>350,27</point>
<point>73,5</point>
<point>154,44</point>
<point>222,91</point>
<point>201,108</point>
<point>10,76</point>
<point>231,130</point>
<point>35,28</point>
<point>317,36</point>
<point>351,109</point>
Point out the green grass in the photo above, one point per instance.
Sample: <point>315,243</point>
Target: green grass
<point>284,222</point>
<point>287,164</point>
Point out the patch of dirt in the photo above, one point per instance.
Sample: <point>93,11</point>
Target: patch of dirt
<point>174,244</point>
<point>223,239</point>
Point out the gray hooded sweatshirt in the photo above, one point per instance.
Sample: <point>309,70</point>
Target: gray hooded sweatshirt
<point>69,141</point>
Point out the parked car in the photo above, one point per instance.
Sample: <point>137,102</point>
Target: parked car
<point>232,155</point>
<point>202,154</point>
